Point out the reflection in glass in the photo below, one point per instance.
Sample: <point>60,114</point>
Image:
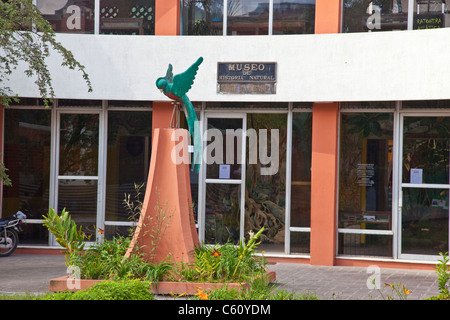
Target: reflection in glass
<point>431,14</point>
<point>365,171</point>
<point>202,17</point>
<point>266,193</point>
<point>249,17</point>
<point>376,15</point>
<point>127,17</point>
<point>300,242</point>
<point>128,159</point>
<point>425,221</point>
<point>79,197</point>
<point>426,150</point>
<point>224,149</point>
<point>365,182</point>
<point>79,144</point>
<point>27,156</point>
<point>301,169</point>
<point>293,16</point>
<point>74,16</point>
<point>365,244</point>
<point>222,213</point>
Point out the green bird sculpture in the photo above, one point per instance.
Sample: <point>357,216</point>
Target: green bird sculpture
<point>175,88</point>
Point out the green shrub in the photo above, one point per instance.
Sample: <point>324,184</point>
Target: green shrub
<point>109,290</point>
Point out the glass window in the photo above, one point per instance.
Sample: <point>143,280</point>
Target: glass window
<point>431,14</point>
<point>365,171</point>
<point>127,17</point>
<point>426,148</point>
<point>75,16</point>
<point>377,15</point>
<point>266,189</point>
<point>222,213</point>
<point>425,221</point>
<point>203,17</point>
<point>250,17</point>
<point>78,144</point>
<point>128,160</point>
<point>293,16</point>
<point>301,180</point>
<point>27,156</point>
<point>365,182</point>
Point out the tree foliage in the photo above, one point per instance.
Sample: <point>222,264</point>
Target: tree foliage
<point>26,37</point>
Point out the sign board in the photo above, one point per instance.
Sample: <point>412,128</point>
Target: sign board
<point>246,77</point>
<point>428,21</point>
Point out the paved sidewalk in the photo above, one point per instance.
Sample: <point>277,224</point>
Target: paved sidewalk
<point>20,273</point>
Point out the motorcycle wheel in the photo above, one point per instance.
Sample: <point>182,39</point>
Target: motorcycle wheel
<point>14,239</point>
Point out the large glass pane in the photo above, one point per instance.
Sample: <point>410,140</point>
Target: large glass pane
<point>202,17</point>
<point>224,149</point>
<point>222,213</point>
<point>376,15</point>
<point>431,14</point>
<point>129,147</point>
<point>79,197</point>
<point>27,156</point>
<point>78,144</point>
<point>293,16</point>
<point>425,221</point>
<point>75,16</point>
<point>426,150</point>
<point>249,17</point>
<point>266,178</point>
<point>365,244</point>
<point>301,170</point>
<point>127,17</point>
<point>365,171</point>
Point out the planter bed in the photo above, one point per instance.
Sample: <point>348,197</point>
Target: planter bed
<point>163,287</point>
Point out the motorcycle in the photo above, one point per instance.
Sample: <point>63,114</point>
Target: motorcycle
<point>9,229</point>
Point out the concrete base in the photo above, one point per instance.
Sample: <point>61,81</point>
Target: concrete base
<point>163,287</point>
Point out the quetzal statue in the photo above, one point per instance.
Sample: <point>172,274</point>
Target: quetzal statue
<point>176,87</point>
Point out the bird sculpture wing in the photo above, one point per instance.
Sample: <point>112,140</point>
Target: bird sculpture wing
<point>169,74</point>
<point>182,82</point>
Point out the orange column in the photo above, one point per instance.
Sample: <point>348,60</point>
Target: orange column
<point>161,114</point>
<point>324,155</point>
<point>328,16</point>
<point>167,17</point>
<point>324,183</point>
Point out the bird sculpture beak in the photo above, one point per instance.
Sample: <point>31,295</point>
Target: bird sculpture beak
<point>161,90</point>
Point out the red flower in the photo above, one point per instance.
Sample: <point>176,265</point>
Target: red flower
<point>215,253</point>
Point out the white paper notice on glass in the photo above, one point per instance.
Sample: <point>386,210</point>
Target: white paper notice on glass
<point>224,171</point>
<point>416,176</point>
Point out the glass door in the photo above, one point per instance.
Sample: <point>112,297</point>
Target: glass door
<point>77,168</point>
<point>424,193</point>
<point>223,179</point>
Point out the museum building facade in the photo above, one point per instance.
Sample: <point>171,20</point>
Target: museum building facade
<point>325,121</point>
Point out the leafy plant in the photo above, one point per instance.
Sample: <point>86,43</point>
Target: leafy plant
<point>442,269</point>
<point>109,290</point>
<point>225,262</point>
<point>398,289</point>
<point>67,234</point>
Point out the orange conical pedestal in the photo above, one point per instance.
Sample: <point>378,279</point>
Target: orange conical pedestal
<point>166,228</point>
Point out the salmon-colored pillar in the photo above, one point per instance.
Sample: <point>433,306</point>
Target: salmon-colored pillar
<point>167,17</point>
<point>324,155</point>
<point>324,183</point>
<point>328,16</point>
<point>161,114</point>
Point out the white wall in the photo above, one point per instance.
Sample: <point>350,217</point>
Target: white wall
<point>401,65</point>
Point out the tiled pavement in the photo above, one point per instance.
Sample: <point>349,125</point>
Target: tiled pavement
<point>21,273</point>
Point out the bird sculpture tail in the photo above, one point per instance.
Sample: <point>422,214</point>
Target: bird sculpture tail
<point>194,131</point>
